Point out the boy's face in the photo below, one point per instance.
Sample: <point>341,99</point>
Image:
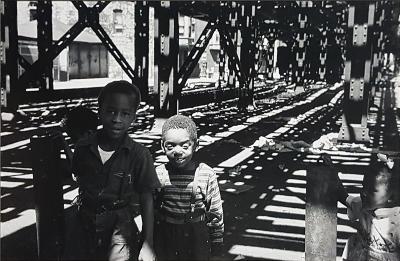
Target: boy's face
<point>178,147</point>
<point>117,114</point>
<point>375,195</point>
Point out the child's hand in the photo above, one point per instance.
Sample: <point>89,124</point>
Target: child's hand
<point>146,253</point>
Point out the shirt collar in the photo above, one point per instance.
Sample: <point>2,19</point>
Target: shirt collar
<point>92,141</point>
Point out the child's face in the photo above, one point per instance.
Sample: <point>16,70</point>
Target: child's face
<point>375,195</point>
<point>178,147</point>
<point>117,114</point>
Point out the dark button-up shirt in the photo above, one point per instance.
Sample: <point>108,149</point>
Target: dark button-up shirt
<point>130,169</point>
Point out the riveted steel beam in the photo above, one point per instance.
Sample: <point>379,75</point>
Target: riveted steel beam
<point>299,48</point>
<point>357,72</point>
<point>142,47</point>
<point>166,45</point>
<point>44,42</point>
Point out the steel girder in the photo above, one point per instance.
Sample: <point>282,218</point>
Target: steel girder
<point>166,45</point>
<point>195,54</point>
<point>11,92</point>
<point>44,43</point>
<point>142,47</point>
<point>357,72</point>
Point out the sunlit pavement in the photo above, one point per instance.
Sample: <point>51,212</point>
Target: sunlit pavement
<point>263,192</point>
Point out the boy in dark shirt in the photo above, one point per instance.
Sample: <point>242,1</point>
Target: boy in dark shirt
<point>110,168</point>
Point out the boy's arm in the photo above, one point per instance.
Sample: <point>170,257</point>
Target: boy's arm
<point>215,207</point>
<point>147,212</point>
<point>146,206</point>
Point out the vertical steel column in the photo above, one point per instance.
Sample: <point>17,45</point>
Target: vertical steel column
<point>357,72</point>
<point>270,52</point>
<point>247,53</point>
<point>300,45</point>
<point>323,43</point>
<point>232,24</point>
<point>221,70</point>
<point>11,92</point>
<point>166,44</point>
<point>222,52</point>
<point>45,42</point>
<point>142,47</point>
<point>377,44</point>
<point>336,42</point>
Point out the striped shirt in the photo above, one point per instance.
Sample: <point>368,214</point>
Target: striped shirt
<point>176,194</point>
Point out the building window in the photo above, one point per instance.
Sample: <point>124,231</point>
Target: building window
<point>32,6</point>
<point>118,25</point>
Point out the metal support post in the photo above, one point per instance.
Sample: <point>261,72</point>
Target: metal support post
<point>166,44</point>
<point>321,214</point>
<point>323,43</point>
<point>300,45</point>
<point>221,70</point>
<point>248,51</point>
<point>270,55</point>
<point>335,50</point>
<point>142,47</point>
<point>230,25</point>
<point>357,72</point>
<point>377,53</point>
<point>44,42</point>
<point>11,92</point>
<point>47,187</point>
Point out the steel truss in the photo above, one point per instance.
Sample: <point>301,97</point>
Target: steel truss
<point>88,17</point>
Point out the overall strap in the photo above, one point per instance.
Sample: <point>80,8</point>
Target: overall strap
<point>162,170</point>
<point>162,174</point>
<point>194,187</point>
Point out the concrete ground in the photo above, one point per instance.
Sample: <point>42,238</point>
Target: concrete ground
<point>263,191</point>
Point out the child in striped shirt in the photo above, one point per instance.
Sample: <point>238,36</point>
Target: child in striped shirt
<point>189,223</point>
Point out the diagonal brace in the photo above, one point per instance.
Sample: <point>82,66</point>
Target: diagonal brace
<point>230,50</point>
<point>195,54</point>
<point>91,18</point>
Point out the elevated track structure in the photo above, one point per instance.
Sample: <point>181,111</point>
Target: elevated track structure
<point>315,33</point>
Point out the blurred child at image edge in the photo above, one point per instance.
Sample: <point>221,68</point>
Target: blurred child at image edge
<point>378,212</point>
